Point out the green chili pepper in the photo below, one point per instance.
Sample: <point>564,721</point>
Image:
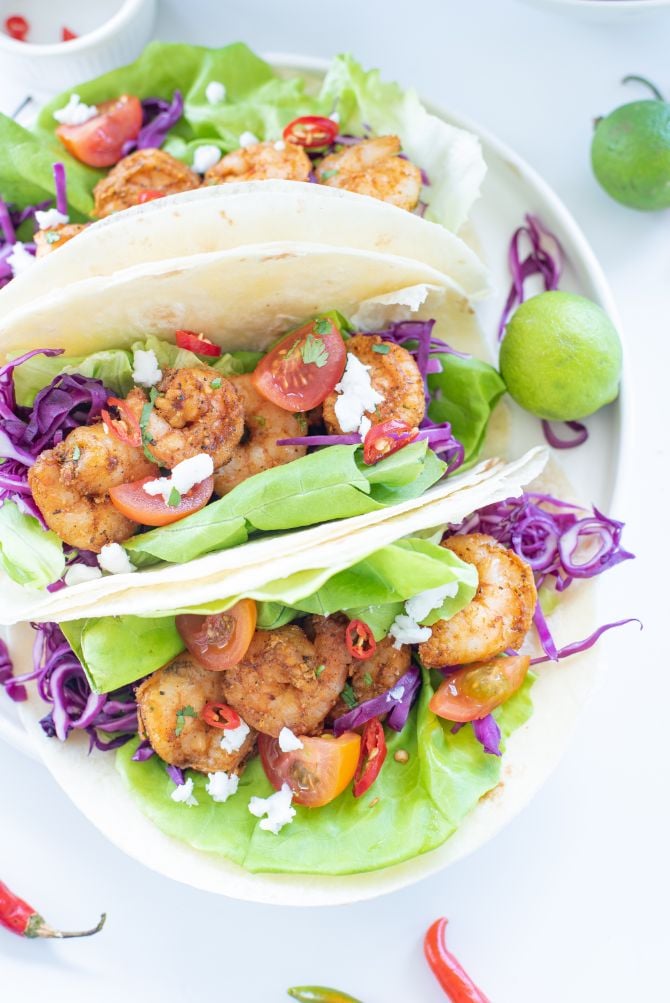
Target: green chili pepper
<point>320,994</point>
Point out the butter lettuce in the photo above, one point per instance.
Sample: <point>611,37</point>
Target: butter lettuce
<point>29,554</point>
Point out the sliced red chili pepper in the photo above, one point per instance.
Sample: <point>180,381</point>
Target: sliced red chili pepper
<point>360,640</point>
<point>67,35</point>
<point>311,131</point>
<point>149,194</point>
<point>448,971</point>
<point>127,427</point>
<point>17,27</point>
<point>198,343</point>
<point>220,715</point>
<point>19,917</point>
<point>386,438</point>
<point>373,754</point>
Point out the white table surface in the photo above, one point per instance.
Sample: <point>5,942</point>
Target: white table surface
<point>569,903</point>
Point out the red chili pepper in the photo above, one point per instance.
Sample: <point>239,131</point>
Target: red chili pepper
<point>19,917</point>
<point>197,343</point>
<point>149,194</point>
<point>373,754</point>
<point>386,438</point>
<point>220,715</point>
<point>456,983</point>
<point>67,35</point>
<point>17,27</point>
<point>127,427</point>
<point>360,640</point>
<point>311,131</point>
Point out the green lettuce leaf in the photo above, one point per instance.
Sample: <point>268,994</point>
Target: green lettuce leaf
<point>413,808</point>
<point>464,394</point>
<point>29,554</point>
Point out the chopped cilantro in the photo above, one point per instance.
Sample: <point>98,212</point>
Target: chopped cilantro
<point>260,420</point>
<point>349,696</point>
<point>314,351</point>
<point>215,384</point>
<point>76,453</point>
<point>382,349</point>
<point>318,670</point>
<point>328,174</point>
<point>182,714</point>
<point>301,419</point>
<point>322,325</point>
<point>174,498</point>
<point>144,425</point>
<point>367,679</point>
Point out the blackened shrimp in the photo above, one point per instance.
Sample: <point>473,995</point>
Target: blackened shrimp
<point>260,161</point>
<point>499,616</point>
<point>374,168</point>
<point>139,175</point>
<point>54,237</point>
<point>169,705</point>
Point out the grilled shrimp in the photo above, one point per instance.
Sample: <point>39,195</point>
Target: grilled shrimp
<point>374,168</point>
<point>148,170</point>
<point>196,411</point>
<point>71,483</point>
<point>184,685</point>
<point>394,375</point>
<point>285,680</point>
<point>55,236</point>
<point>264,423</point>
<point>499,616</point>
<point>260,162</point>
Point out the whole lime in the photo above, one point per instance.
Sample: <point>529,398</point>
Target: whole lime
<point>630,154</point>
<point>561,356</point>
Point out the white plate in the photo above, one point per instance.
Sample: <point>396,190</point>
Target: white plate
<point>511,189</point>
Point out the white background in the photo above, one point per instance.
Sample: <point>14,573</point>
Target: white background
<point>570,902</point>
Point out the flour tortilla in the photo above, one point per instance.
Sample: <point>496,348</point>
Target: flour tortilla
<point>224,217</point>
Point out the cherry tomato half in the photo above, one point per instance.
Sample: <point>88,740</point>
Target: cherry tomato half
<point>151,510</point>
<point>221,640</point>
<point>371,760</point>
<point>475,690</point>
<point>360,640</point>
<point>127,427</point>
<point>311,131</point>
<point>318,772</point>
<point>220,715</point>
<point>198,343</point>
<point>302,369</point>
<point>386,438</point>
<point>149,194</point>
<point>99,142</point>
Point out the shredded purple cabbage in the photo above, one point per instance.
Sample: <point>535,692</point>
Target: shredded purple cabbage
<point>175,774</point>
<point>539,261</point>
<point>487,733</point>
<point>61,682</point>
<point>12,218</point>
<point>575,647</point>
<point>61,187</point>
<point>143,751</point>
<point>396,702</point>
<point>158,117</point>
<point>14,690</point>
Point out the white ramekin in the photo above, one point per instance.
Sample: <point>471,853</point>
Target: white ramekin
<point>44,68</point>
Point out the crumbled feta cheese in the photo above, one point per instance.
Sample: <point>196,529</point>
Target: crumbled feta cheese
<point>222,785</point>
<point>356,395</point>
<point>405,630</point>
<point>183,477</point>
<point>113,559</point>
<point>277,808</point>
<point>183,793</point>
<point>419,606</point>
<point>20,259</point>
<point>50,217</point>
<point>75,112</point>
<point>288,742</point>
<point>397,693</point>
<point>364,426</point>
<point>280,145</point>
<point>205,157</point>
<point>248,139</point>
<point>79,573</point>
<point>145,368</point>
<point>215,92</point>
<point>234,738</point>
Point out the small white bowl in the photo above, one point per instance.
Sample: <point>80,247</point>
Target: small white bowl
<point>110,33</point>
<point>604,10</point>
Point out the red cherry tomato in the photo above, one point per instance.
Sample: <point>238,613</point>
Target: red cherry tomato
<point>127,427</point>
<point>220,715</point>
<point>386,438</point>
<point>318,772</point>
<point>221,640</point>
<point>148,195</point>
<point>67,35</point>
<point>99,142</point>
<point>475,690</point>
<point>311,131</point>
<point>373,754</point>
<point>302,369</point>
<point>17,27</point>
<point>151,510</point>
<point>360,640</point>
<point>198,343</point>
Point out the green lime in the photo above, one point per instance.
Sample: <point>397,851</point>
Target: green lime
<point>630,154</point>
<point>561,357</point>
